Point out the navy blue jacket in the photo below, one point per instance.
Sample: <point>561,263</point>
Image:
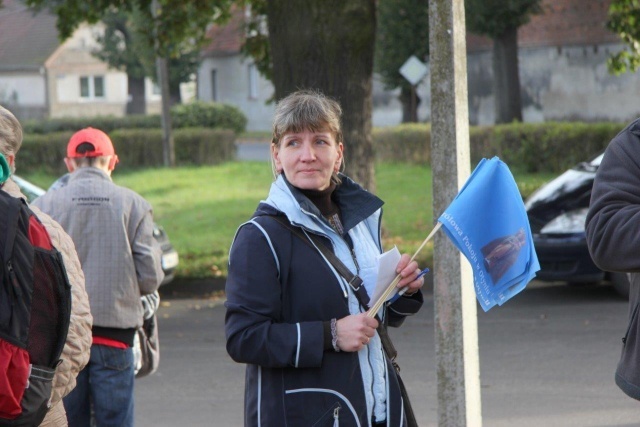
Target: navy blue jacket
<point>280,290</point>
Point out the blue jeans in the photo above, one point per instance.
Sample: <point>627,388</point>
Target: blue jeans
<point>106,384</point>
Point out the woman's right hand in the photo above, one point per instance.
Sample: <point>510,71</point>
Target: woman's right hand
<point>355,331</point>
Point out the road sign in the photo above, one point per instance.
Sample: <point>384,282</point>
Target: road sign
<point>414,70</point>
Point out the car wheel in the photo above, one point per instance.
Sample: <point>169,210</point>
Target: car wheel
<point>620,282</point>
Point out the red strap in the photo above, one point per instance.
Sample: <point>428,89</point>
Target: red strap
<point>109,342</point>
<point>38,234</point>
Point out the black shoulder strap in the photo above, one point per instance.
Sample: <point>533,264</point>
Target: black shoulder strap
<point>354,281</point>
<point>10,208</point>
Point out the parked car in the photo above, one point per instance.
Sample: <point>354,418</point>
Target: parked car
<point>170,259</point>
<point>557,212</point>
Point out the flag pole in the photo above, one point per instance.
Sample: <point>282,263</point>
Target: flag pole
<point>376,306</point>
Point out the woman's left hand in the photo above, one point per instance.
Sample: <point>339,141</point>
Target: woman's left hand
<point>409,271</point>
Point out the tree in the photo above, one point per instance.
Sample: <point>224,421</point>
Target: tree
<point>328,45</point>
<point>624,16</point>
<point>177,25</point>
<point>125,46</point>
<point>403,30</point>
<point>500,20</point>
<point>121,48</point>
<point>185,21</point>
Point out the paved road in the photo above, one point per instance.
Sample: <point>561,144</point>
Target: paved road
<point>547,359</point>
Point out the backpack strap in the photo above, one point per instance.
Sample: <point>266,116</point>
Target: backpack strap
<point>8,223</point>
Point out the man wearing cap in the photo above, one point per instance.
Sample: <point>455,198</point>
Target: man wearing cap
<point>112,228</point>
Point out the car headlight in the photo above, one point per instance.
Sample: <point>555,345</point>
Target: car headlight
<point>169,260</point>
<point>567,222</point>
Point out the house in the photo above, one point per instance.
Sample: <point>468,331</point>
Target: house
<point>563,68</point>
<point>226,75</point>
<point>43,77</point>
<point>563,72</point>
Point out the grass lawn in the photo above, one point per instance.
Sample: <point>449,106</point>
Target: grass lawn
<point>201,207</point>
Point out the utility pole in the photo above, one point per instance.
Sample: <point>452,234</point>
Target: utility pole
<point>456,323</point>
<point>168,146</point>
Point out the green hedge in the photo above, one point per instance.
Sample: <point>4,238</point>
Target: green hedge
<point>136,148</point>
<point>208,114</point>
<point>196,114</point>
<point>531,147</point>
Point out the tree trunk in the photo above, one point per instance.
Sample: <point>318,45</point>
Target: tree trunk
<point>506,77</point>
<point>137,102</point>
<point>174,94</point>
<point>409,105</point>
<point>328,45</point>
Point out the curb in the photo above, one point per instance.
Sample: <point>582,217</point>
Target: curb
<point>193,288</point>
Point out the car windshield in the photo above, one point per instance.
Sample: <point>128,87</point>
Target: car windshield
<point>591,165</point>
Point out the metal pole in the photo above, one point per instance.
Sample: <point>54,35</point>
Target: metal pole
<point>414,112</point>
<point>456,328</point>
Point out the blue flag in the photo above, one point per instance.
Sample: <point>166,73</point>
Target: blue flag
<point>488,223</point>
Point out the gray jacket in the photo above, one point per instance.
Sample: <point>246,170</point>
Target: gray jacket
<point>112,228</point>
<point>613,236</point>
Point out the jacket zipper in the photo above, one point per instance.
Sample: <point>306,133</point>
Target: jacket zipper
<point>336,417</point>
<point>355,262</point>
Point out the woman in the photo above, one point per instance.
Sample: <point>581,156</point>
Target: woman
<point>314,356</point>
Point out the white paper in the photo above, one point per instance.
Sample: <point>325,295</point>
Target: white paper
<point>387,263</point>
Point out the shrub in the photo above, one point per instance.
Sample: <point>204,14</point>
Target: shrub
<point>196,114</point>
<point>209,114</point>
<point>105,123</point>
<point>410,142</point>
<point>531,147</point>
<point>136,148</point>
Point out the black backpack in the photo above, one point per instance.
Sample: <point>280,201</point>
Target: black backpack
<point>35,308</point>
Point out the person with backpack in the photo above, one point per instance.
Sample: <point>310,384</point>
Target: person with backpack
<point>76,350</point>
<point>112,228</point>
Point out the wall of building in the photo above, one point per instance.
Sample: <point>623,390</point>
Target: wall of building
<point>234,76</point>
<point>24,94</point>
<point>559,83</point>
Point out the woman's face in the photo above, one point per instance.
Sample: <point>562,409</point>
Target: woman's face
<point>308,159</point>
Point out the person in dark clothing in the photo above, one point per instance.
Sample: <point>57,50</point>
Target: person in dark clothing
<point>613,237</point>
<point>313,355</point>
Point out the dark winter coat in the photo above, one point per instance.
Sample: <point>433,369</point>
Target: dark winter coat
<point>613,236</point>
<point>280,290</point>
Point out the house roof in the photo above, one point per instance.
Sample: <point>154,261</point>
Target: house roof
<point>562,23</point>
<point>226,40</point>
<point>26,39</point>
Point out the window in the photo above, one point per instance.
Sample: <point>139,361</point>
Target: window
<point>253,81</point>
<point>155,89</point>
<point>98,86</point>
<point>84,87</point>
<point>214,87</point>
<point>92,87</point>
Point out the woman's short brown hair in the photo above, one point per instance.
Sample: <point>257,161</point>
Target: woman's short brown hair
<point>307,110</point>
